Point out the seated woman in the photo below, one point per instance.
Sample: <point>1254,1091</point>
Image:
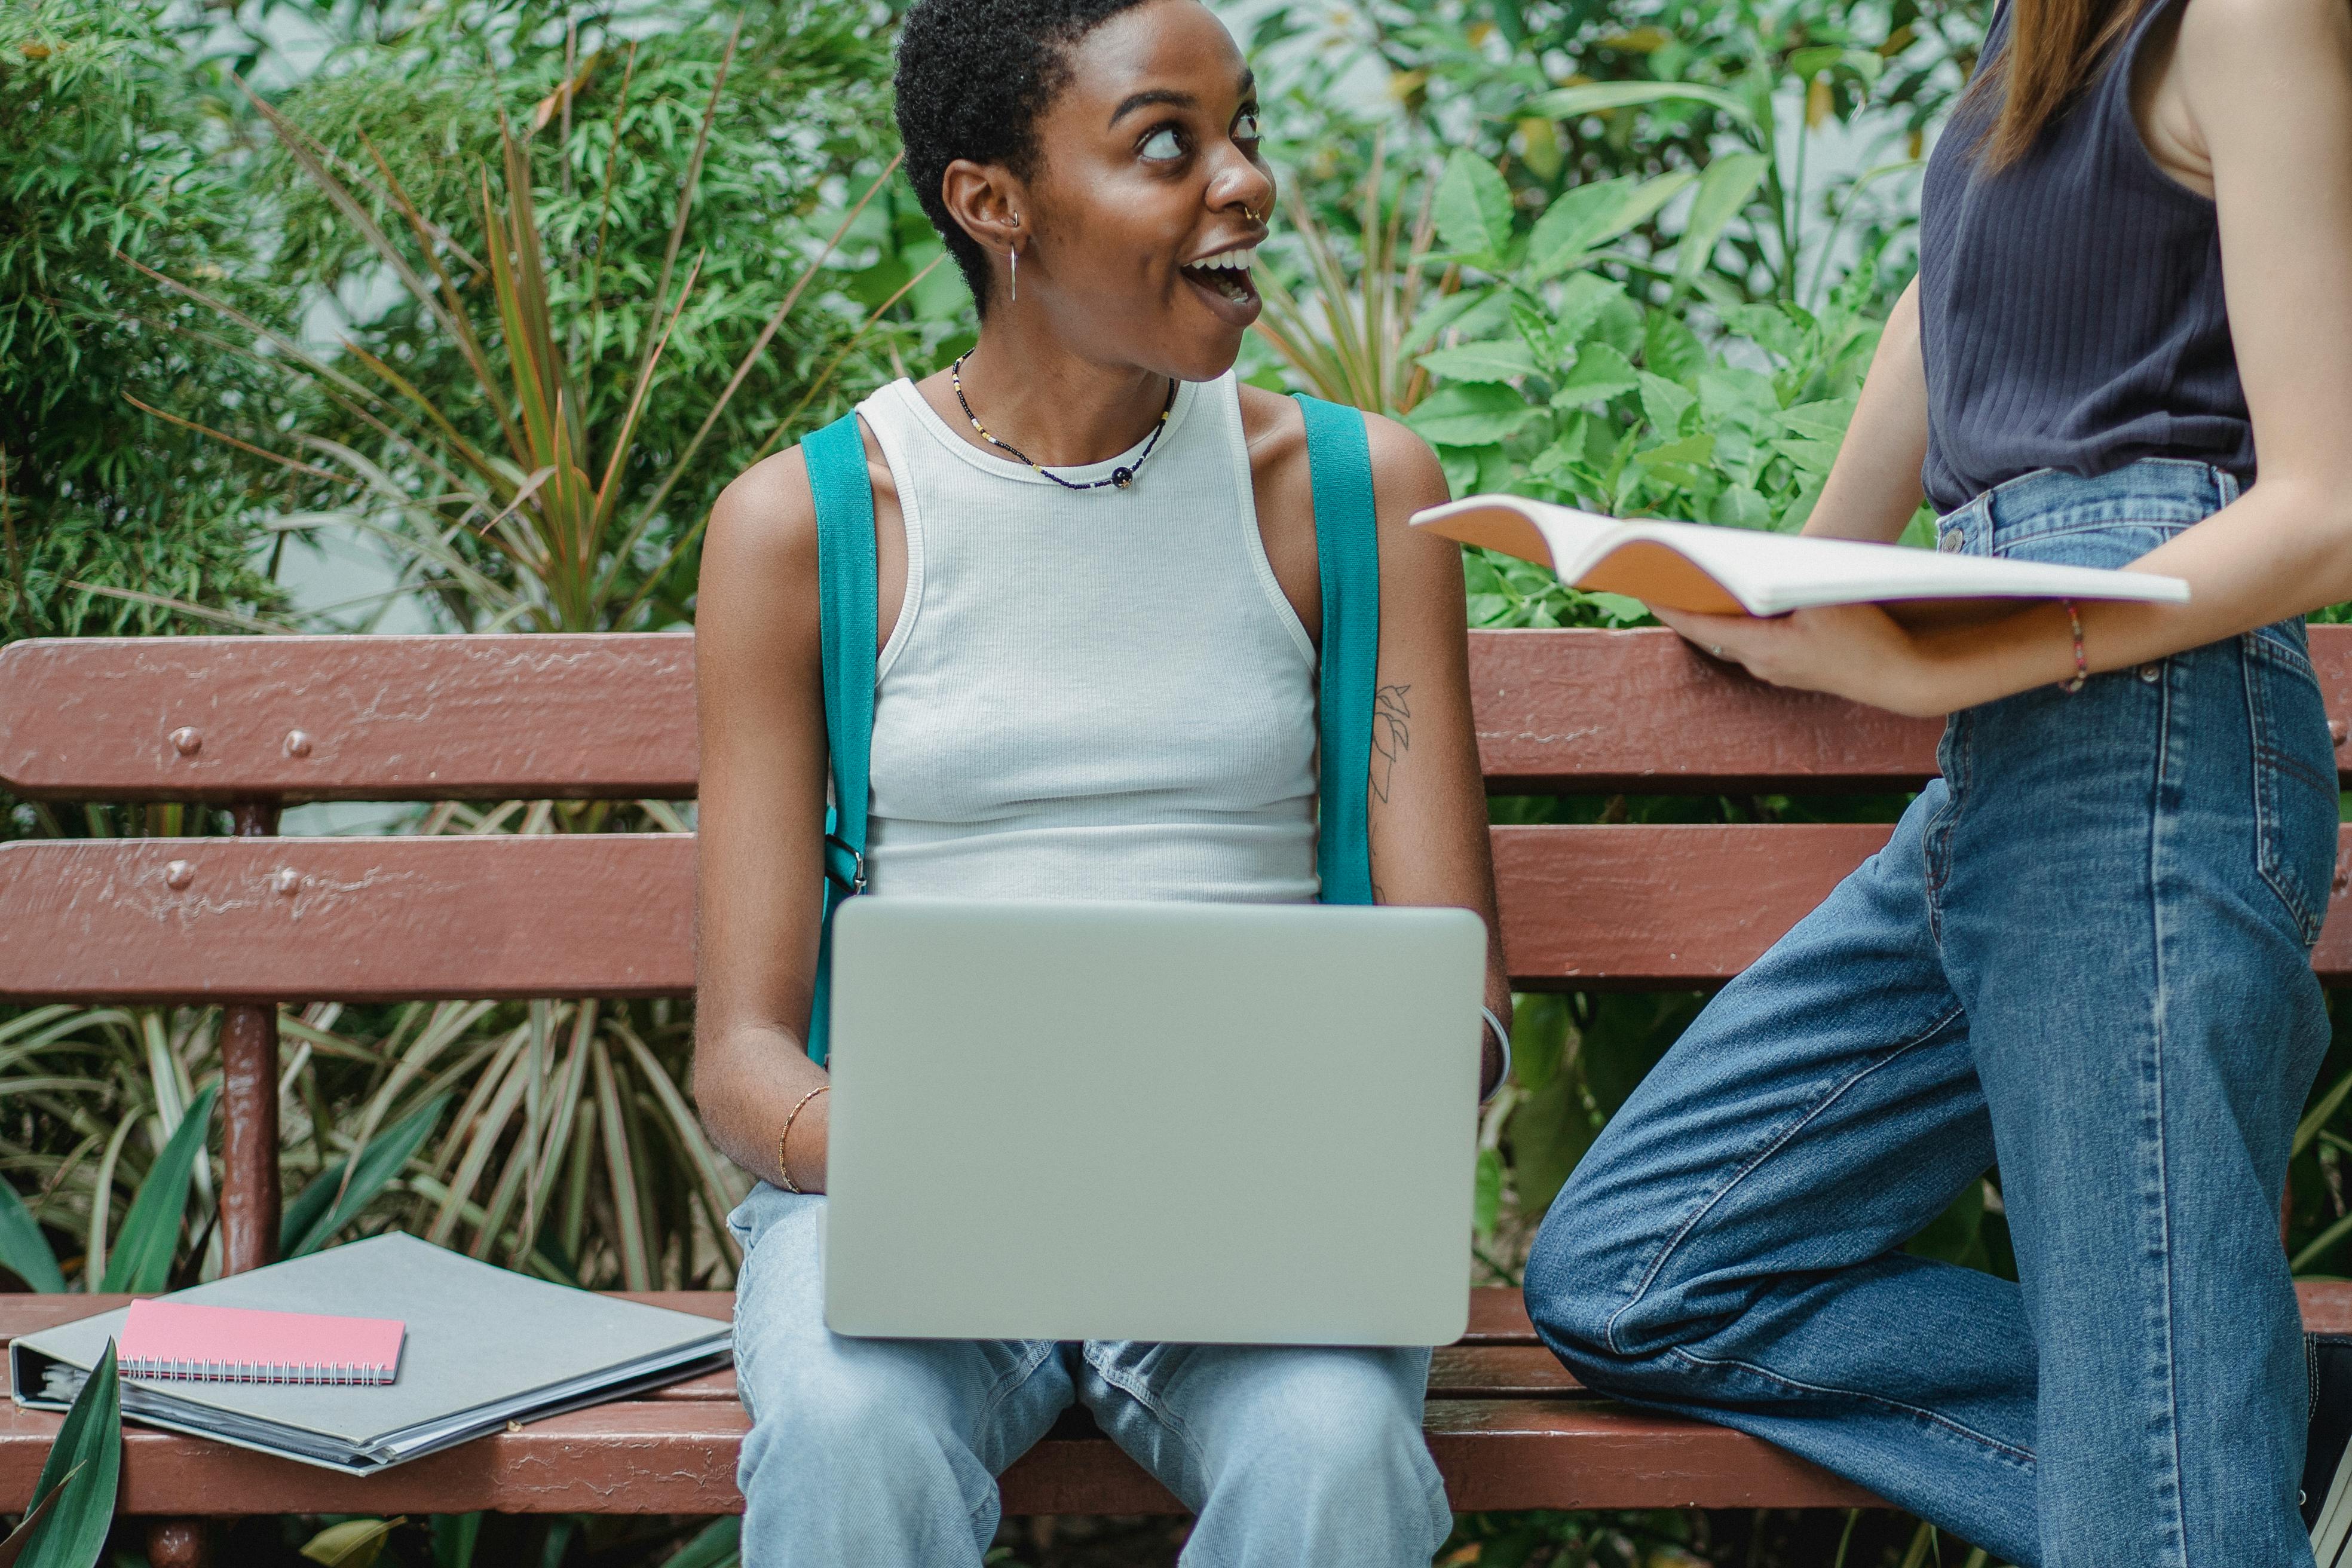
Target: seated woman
<point>1098,633</point>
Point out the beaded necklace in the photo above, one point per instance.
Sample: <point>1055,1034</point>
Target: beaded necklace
<point>1120,477</point>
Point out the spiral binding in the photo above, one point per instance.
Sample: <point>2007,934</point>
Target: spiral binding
<point>342,1373</point>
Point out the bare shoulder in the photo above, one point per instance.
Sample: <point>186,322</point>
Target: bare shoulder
<point>764,522</point>
<point>1405,475</point>
<point>1274,431</point>
<point>2255,49</point>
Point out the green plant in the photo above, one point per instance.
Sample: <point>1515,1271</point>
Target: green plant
<point>596,240</point>
<point>74,1498</point>
<point>109,156</point>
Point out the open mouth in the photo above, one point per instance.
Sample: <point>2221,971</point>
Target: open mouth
<point>1226,274</point>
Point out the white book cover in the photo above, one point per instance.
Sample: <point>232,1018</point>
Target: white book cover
<point>1734,570</point>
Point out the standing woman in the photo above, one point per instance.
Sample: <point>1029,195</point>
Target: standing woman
<point>2084,953</point>
<point>1097,635</point>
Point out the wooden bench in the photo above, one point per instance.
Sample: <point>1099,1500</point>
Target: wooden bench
<point>256,920</point>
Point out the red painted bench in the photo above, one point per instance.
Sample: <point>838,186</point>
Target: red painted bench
<point>257,723</point>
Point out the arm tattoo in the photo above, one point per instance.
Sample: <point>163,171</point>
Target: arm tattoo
<point>1392,736</point>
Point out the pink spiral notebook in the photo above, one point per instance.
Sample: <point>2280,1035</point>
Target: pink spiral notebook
<point>238,1345</point>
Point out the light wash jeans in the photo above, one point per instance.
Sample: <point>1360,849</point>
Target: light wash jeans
<point>2085,955</point>
<point>884,1452</point>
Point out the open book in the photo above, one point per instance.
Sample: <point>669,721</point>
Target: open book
<point>1734,571</point>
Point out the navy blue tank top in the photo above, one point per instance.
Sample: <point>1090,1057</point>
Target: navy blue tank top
<point>2070,305</point>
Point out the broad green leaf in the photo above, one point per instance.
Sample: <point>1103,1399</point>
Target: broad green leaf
<point>1586,299</point>
<point>1550,1133</point>
<point>326,1204</point>
<point>1691,451</point>
<point>1596,97</point>
<point>1486,1195</point>
<point>1470,415</point>
<point>1539,1035</point>
<point>1811,457</point>
<point>1600,373</point>
<point>24,1251</point>
<point>1445,310</point>
<point>1499,358</point>
<point>1825,420</point>
<point>1767,326</point>
<point>354,1543</point>
<point>1594,214</point>
<point>1664,403</point>
<point>142,1259</point>
<point>1671,349</point>
<point>719,1544</point>
<point>1473,208</point>
<point>84,1468</point>
<point>1740,506</point>
<point>1723,191</point>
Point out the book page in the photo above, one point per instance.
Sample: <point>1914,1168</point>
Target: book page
<point>1720,570</point>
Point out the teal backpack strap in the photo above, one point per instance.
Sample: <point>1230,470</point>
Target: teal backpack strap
<point>1346,554</point>
<point>845,572</point>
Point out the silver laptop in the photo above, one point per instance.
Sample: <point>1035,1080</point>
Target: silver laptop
<point>1204,1123</point>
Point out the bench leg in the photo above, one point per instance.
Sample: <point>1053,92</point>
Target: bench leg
<point>178,1543</point>
<point>248,1047</point>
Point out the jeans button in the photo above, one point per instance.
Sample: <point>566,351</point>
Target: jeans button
<point>1951,542</point>
<point>2152,671</point>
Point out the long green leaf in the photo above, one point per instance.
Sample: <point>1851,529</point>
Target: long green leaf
<point>24,1251</point>
<point>718,1544</point>
<point>1723,190</point>
<point>151,1231</point>
<point>85,1460</point>
<point>330,1200</point>
<point>1598,98</point>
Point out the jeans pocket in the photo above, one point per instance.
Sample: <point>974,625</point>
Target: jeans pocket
<point>2295,793</point>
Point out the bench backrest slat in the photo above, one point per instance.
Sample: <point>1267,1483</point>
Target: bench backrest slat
<point>379,717</point>
<point>611,914</point>
<point>532,717</point>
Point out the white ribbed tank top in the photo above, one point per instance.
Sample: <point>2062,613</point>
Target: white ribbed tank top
<point>1089,695</point>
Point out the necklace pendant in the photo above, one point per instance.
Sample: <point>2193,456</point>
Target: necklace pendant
<point>1122,477</point>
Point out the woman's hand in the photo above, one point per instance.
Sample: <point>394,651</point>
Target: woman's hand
<point>1856,651</point>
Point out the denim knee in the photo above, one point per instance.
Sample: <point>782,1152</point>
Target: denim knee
<point>1331,1445</point>
<point>1595,1301</point>
<point>843,1435</point>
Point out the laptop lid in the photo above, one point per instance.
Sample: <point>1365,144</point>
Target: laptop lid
<point>1206,1124</point>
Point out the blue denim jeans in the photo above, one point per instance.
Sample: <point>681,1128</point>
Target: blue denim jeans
<point>884,1452</point>
<point>2085,955</point>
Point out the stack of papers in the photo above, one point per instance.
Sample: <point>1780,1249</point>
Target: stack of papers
<point>484,1347</point>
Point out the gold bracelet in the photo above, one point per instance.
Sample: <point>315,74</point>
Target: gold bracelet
<point>784,1138</point>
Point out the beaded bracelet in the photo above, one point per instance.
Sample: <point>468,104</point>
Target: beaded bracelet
<point>2082,664</point>
<point>783,1139</point>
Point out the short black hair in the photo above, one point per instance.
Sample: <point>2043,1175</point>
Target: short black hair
<point>972,77</point>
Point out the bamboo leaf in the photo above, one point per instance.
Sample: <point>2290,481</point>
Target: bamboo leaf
<point>151,1231</point>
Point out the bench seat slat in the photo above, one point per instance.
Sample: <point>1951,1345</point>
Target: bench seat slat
<point>677,1455</point>
<point>611,716</point>
<point>611,915</point>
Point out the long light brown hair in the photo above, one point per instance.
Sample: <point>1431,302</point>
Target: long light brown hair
<point>2054,49</point>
